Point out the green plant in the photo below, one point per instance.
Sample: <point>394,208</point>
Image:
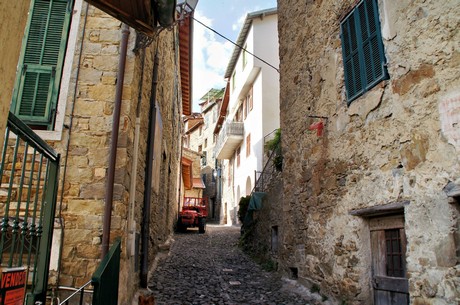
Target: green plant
<point>243,207</point>
<point>314,288</point>
<point>274,146</point>
<point>324,298</point>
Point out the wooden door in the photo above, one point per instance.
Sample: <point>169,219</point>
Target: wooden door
<point>389,278</point>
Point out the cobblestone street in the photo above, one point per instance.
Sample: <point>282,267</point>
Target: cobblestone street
<point>210,269</point>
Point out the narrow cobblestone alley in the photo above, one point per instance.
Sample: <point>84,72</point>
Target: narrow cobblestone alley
<point>210,269</point>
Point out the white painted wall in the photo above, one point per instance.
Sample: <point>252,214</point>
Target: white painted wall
<point>262,40</point>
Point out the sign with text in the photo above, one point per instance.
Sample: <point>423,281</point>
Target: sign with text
<point>13,286</point>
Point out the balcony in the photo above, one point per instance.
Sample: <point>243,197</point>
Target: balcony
<point>230,137</point>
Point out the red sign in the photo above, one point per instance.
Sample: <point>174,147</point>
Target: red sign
<point>13,286</point>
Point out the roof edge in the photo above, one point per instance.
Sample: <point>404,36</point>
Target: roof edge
<point>244,34</point>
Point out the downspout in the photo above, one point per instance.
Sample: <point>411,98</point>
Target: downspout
<point>114,143</point>
<point>148,177</point>
<point>132,192</point>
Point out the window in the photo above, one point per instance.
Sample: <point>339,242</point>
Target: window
<point>233,80</point>
<point>362,49</point>
<point>214,115</point>
<point>394,255</point>
<point>200,131</point>
<point>205,143</point>
<point>187,141</point>
<point>239,114</point>
<point>238,150</point>
<point>248,145</point>
<point>40,64</point>
<point>204,160</point>
<point>249,100</point>
<point>200,148</point>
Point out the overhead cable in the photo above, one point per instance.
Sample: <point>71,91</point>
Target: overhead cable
<point>237,45</point>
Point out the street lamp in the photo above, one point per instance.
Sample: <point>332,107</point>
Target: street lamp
<point>185,7</point>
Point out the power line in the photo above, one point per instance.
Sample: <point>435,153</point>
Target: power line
<point>237,45</point>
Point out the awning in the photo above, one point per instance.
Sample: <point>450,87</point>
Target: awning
<point>198,183</point>
<point>139,14</point>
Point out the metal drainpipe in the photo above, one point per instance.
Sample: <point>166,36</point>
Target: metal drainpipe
<point>113,147</point>
<point>148,177</point>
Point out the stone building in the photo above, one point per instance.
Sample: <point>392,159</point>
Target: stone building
<point>199,137</point>
<point>210,104</point>
<point>370,100</point>
<point>113,110</point>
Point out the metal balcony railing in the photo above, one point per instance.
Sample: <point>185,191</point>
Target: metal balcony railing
<point>29,175</point>
<point>230,136</point>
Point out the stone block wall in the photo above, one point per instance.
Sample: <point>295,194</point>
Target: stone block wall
<point>399,141</point>
<point>87,156</point>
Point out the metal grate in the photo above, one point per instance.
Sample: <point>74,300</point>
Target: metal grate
<point>29,170</point>
<point>394,255</point>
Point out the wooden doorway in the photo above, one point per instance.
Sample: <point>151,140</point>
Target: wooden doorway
<point>388,247</point>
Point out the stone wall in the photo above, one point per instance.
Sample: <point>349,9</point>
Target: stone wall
<point>87,157</point>
<point>397,142</point>
<point>14,18</point>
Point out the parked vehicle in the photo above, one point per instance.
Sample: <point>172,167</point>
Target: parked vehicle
<point>193,214</point>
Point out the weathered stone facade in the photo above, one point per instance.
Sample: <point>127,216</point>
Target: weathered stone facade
<point>88,136</point>
<point>396,143</point>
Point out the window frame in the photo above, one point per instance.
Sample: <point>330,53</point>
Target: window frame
<point>360,31</point>
<point>248,145</point>
<point>57,94</point>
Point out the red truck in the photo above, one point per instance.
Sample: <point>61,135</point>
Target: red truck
<point>193,214</point>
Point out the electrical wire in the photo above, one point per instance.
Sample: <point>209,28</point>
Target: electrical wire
<point>237,45</point>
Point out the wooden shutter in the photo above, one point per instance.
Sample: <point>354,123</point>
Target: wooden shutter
<point>40,65</point>
<point>362,49</point>
<point>352,69</point>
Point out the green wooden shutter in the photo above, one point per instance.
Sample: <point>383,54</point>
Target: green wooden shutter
<point>362,49</point>
<point>41,61</point>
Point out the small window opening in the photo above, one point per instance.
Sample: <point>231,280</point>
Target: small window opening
<point>294,273</point>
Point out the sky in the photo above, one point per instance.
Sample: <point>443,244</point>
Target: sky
<point>211,53</point>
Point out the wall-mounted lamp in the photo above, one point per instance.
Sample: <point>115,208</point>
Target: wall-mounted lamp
<point>185,7</point>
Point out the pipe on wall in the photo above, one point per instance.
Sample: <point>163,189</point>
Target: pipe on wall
<point>149,177</point>
<point>114,143</point>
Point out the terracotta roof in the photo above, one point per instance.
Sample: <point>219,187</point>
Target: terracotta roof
<point>194,124</point>
<point>185,50</point>
<point>213,94</point>
<point>223,109</point>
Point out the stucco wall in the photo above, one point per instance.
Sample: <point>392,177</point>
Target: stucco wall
<point>397,142</point>
<point>14,18</point>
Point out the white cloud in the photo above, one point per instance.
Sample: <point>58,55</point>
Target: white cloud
<point>239,23</point>
<point>210,59</point>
